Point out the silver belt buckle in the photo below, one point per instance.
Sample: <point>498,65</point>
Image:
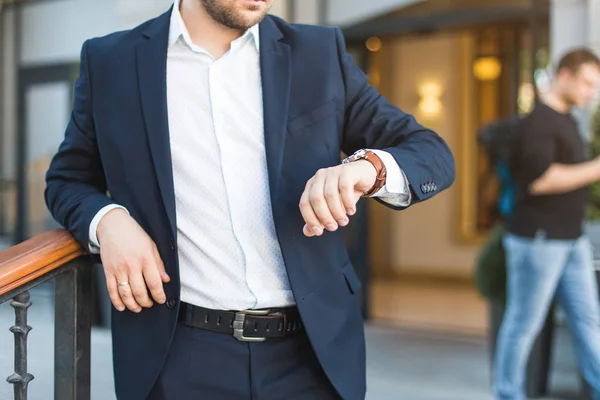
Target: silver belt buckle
<point>238,325</point>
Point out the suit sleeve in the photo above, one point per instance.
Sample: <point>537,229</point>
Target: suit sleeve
<point>75,182</point>
<point>373,122</point>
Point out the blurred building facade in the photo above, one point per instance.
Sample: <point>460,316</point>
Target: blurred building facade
<point>454,64</point>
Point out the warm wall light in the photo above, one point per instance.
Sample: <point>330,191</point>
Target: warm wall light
<point>487,68</point>
<point>430,89</point>
<point>373,44</point>
<point>430,104</point>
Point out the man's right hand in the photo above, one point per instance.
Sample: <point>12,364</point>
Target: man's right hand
<point>131,262</point>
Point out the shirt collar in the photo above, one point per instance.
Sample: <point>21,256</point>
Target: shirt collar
<point>178,28</point>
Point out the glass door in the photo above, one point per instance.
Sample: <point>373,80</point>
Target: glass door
<point>45,95</point>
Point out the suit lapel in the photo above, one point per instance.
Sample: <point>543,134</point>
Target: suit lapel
<point>152,75</point>
<point>275,62</point>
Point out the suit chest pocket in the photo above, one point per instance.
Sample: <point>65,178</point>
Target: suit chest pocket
<point>325,114</point>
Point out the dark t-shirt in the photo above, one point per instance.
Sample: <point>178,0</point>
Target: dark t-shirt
<point>544,137</point>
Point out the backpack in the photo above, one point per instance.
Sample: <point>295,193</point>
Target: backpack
<point>496,139</point>
<point>490,262</point>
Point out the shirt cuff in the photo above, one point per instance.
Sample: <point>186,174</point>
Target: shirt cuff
<point>396,190</point>
<point>94,244</point>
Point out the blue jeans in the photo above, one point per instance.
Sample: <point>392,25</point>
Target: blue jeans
<point>537,270</point>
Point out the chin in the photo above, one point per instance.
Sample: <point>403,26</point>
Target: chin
<point>250,18</point>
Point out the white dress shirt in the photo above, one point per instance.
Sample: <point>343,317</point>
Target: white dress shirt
<point>229,255</point>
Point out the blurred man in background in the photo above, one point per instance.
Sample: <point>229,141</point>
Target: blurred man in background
<point>547,252</point>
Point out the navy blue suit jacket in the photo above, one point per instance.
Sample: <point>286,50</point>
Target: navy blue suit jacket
<point>316,103</point>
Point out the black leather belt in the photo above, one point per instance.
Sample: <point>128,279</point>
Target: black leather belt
<point>247,325</point>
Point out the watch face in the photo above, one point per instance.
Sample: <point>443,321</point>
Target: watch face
<point>357,155</point>
<point>360,154</point>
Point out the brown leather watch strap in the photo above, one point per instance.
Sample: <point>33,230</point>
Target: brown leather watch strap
<point>381,173</point>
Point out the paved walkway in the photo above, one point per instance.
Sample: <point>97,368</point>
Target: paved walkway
<point>402,365</point>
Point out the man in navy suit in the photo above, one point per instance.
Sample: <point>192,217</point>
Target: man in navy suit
<point>202,163</point>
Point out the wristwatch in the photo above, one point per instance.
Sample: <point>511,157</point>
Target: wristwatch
<point>377,163</point>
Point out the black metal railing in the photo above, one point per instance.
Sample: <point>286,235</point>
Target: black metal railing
<point>51,256</point>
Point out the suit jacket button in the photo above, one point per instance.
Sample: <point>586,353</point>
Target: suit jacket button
<point>172,245</point>
<point>171,303</point>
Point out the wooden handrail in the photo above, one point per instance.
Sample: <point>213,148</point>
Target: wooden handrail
<point>35,257</point>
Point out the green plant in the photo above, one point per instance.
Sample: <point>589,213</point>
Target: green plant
<point>593,211</point>
<point>490,267</point>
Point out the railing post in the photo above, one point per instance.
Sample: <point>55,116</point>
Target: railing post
<point>72,337</point>
<point>20,379</point>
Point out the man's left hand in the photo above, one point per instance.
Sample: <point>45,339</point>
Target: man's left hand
<point>331,195</point>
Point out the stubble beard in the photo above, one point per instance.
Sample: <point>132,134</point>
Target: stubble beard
<point>229,18</point>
